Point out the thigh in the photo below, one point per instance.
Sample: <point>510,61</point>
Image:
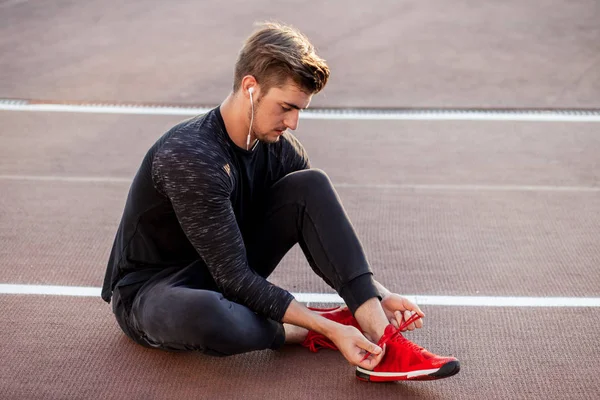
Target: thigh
<point>172,315</point>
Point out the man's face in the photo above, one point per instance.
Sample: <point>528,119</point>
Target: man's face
<point>278,111</point>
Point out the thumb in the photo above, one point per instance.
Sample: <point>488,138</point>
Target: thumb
<point>368,346</point>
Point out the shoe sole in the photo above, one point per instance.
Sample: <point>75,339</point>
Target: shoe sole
<point>445,371</point>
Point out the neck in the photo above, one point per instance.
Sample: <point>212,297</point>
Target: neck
<point>235,110</point>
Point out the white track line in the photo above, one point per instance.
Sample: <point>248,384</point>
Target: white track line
<point>477,301</point>
<point>84,291</point>
<point>332,114</point>
<point>399,186</point>
<point>477,188</point>
<point>496,116</point>
<point>105,109</point>
<point>70,179</point>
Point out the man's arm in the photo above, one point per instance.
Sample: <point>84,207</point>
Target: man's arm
<point>198,187</point>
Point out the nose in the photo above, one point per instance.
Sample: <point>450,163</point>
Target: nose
<point>292,119</point>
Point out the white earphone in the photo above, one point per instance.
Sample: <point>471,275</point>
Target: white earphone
<point>250,91</point>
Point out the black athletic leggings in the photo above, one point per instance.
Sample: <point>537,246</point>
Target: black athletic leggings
<point>181,309</point>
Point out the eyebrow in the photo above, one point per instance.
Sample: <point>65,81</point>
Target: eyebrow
<point>293,106</point>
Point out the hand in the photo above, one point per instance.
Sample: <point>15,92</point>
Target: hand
<point>399,309</point>
<point>354,346</point>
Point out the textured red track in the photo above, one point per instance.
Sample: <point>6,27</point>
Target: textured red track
<point>419,241</point>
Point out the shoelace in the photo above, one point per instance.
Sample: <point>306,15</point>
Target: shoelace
<point>397,333</point>
<point>315,341</point>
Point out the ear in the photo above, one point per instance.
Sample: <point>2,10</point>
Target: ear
<point>249,82</point>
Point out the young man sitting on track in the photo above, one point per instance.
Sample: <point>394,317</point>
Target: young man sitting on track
<point>215,205</point>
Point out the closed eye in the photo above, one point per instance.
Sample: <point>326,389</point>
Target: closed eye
<point>289,106</point>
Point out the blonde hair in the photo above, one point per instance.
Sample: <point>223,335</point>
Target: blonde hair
<point>275,53</point>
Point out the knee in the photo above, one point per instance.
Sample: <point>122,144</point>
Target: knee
<point>311,180</point>
<point>316,176</point>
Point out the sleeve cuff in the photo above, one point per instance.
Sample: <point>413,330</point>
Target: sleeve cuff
<point>279,312</point>
<point>359,290</point>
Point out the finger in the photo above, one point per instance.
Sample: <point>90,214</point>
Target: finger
<point>373,360</point>
<point>398,317</point>
<point>368,346</point>
<point>377,359</point>
<point>407,315</point>
<point>402,318</point>
<point>419,323</point>
<point>409,305</point>
<point>394,322</point>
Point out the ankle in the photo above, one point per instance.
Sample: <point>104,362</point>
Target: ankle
<point>375,333</point>
<point>372,319</point>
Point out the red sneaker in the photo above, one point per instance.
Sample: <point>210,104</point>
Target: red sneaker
<point>316,341</point>
<point>404,360</point>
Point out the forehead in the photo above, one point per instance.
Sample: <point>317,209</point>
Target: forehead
<point>290,93</point>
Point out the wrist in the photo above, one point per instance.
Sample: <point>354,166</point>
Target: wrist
<point>299,315</point>
<point>383,292</point>
<point>327,327</point>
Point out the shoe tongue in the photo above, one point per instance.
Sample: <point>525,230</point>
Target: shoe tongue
<point>389,331</point>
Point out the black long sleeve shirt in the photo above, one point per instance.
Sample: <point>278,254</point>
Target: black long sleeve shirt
<point>194,198</point>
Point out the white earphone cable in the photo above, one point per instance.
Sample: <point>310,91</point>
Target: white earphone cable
<point>251,120</point>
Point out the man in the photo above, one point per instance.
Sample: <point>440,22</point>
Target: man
<point>216,204</point>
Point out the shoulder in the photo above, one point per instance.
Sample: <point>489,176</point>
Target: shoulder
<point>289,141</point>
<point>198,140</point>
<point>289,150</point>
<point>191,150</point>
